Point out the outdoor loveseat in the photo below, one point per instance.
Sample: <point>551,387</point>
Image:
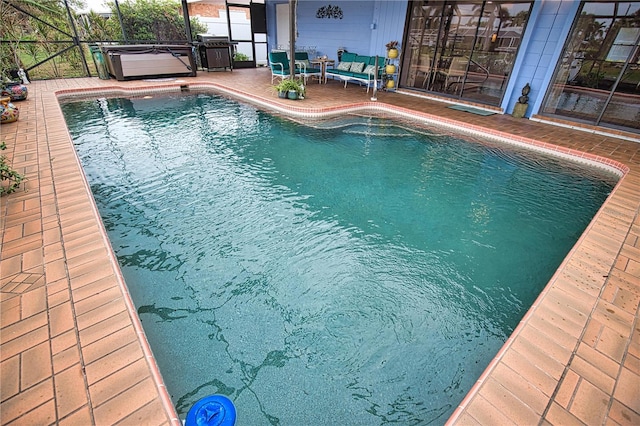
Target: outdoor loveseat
<point>354,67</point>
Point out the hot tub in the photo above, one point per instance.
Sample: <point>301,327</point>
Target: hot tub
<point>131,62</point>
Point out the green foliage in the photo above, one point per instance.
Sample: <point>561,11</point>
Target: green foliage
<point>8,174</point>
<point>287,84</point>
<point>197,27</point>
<point>25,41</point>
<point>152,20</point>
<point>240,57</point>
<point>97,28</point>
<point>592,79</point>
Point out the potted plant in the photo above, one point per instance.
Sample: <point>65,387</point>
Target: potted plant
<point>392,49</point>
<point>241,60</point>
<point>8,174</point>
<point>290,88</point>
<point>14,89</point>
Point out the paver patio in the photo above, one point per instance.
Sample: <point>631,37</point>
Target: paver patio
<point>73,351</point>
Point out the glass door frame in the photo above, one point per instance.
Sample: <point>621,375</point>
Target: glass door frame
<point>491,39</point>
<point>252,62</point>
<point>632,54</point>
<point>567,77</point>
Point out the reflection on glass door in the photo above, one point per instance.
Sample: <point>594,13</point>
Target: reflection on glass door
<point>598,79</point>
<point>463,49</point>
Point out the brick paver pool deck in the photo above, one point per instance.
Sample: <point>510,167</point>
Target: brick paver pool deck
<point>72,350</point>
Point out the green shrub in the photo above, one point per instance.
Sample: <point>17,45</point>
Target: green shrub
<point>240,57</point>
<point>290,84</point>
<point>8,174</point>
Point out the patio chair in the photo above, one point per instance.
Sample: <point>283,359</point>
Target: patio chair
<point>279,63</point>
<point>424,68</point>
<point>303,66</point>
<point>454,75</point>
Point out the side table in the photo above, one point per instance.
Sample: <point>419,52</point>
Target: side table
<point>323,63</point>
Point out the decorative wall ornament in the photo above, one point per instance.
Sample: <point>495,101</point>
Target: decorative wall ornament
<point>329,11</point>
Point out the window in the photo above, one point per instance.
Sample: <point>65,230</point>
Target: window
<point>598,79</point>
<point>463,49</point>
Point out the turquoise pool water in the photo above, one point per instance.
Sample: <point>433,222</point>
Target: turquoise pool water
<point>361,273</point>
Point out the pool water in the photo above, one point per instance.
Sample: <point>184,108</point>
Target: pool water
<point>360,273</point>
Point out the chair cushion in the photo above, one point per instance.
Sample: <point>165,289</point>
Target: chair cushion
<point>344,66</point>
<point>372,60</point>
<point>348,57</point>
<point>356,67</point>
<point>370,69</point>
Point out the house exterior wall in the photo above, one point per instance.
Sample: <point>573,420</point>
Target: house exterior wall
<point>213,15</point>
<point>365,28</point>
<point>540,51</point>
<point>368,25</point>
<point>211,10</point>
<point>351,32</point>
<point>389,20</point>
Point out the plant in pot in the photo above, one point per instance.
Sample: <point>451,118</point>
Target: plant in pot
<point>8,174</point>
<point>290,88</point>
<point>392,49</point>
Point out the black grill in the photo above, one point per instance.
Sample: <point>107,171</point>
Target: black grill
<point>215,52</point>
<point>214,41</point>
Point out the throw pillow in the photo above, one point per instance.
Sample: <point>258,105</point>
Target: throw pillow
<point>357,67</point>
<point>370,69</point>
<point>344,66</point>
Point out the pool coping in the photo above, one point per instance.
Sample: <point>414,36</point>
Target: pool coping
<point>362,107</point>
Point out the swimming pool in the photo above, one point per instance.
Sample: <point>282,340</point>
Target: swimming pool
<point>317,276</point>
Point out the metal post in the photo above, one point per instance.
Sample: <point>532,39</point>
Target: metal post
<point>292,38</point>
<point>632,54</point>
<point>187,22</point>
<point>124,34</point>
<point>76,41</point>
<point>375,82</point>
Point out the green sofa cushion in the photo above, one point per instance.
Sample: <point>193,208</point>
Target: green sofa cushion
<point>348,57</point>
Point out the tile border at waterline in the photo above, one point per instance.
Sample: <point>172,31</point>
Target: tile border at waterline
<point>591,160</point>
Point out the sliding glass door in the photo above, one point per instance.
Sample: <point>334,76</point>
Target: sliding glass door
<point>463,49</point>
<point>598,79</point>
